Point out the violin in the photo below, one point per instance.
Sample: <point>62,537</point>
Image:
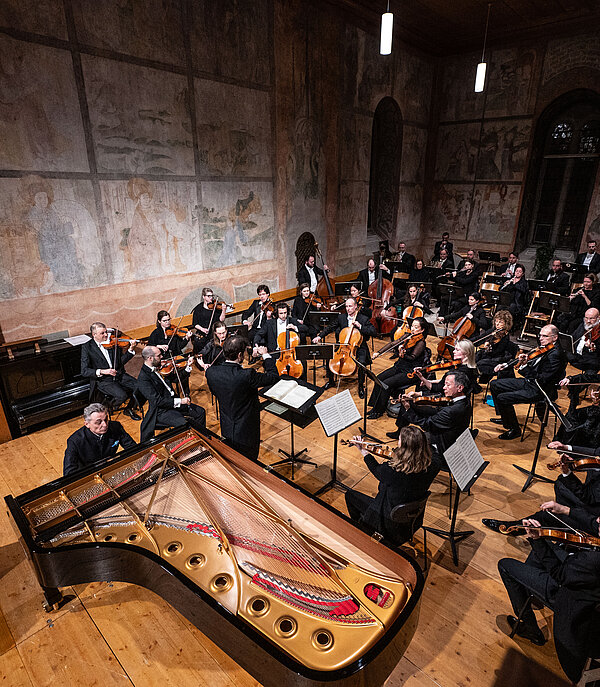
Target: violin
<point>380,293</point>
<point>533,355</point>
<point>343,363</point>
<point>287,363</point>
<point>119,342</point>
<point>446,365</point>
<point>461,329</point>
<point>268,306</point>
<point>592,335</point>
<point>168,366</point>
<point>177,331</point>
<point>583,463</point>
<point>404,342</point>
<point>570,537</point>
<point>379,450</point>
<point>432,401</point>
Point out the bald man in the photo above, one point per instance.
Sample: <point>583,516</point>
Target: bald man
<point>547,370</point>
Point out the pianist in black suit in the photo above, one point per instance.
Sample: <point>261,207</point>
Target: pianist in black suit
<point>98,439</point>
<point>105,368</point>
<point>591,259</point>
<point>164,408</point>
<point>236,389</point>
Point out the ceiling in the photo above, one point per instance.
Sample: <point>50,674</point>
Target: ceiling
<point>447,27</point>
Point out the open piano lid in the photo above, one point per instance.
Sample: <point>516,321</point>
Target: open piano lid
<point>284,584</point>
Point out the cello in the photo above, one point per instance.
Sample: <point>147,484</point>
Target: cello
<point>461,329</point>
<point>343,363</point>
<point>287,363</point>
<point>380,292</point>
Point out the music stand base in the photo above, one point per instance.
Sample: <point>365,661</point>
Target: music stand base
<point>293,458</point>
<point>332,484</point>
<point>453,537</point>
<point>531,475</point>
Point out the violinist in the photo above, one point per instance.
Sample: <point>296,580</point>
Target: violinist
<point>547,368</point>
<point>362,304</point>
<point>569,585</point>
<point>588,296</point>
<point>204,315</point>
<point>310,273</point>
<point>587,351</point>
<point>105,368</point>
<point>212,353</point>
<point>172,342</point>
<point>444,424</point>
<point>497,348</point>
<point>165,408</point>
<point>352,318</point>
<point>370,274</point>
<point>259,312</point>
<point>474,311</point>
<point>304,304</point>
<point>414,353</point>
<point>404,478</point>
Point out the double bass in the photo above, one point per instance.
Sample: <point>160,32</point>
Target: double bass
<point>380,292</point>
<point>325,289</point>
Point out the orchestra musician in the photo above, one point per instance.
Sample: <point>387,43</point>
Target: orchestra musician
<point>412,299</point>
<point>97,440</point>
<point>474,311</point>
<point>470,256</point>
<point>262,309</point>
<point>443,425</point>
<point>236,389</point>
<point>171,342</point>
<point>370,274</point>
<point>203,317</point>
<point>444,244</point>
<point>591,259</point>
<point>420,274</point>
<point>588,296</point>
<point>547,369</point>
<point>445,261</point>
<point>105,368</point>
<point>518,287</point>
<point>272,328</point>
<point>363,304</point>
<point>309,273</point>
<point>212,353</point>
<point>507,269</point>
<point>164,408</point>
<point>558,281</point>
<point>406,259</point>
<point>395,377</point>
<point>404,478</point>
<point>569,584</point>
<point>303,306</point>
<point>352,318</point>
<point>497,348</point>
<point>586,353</point>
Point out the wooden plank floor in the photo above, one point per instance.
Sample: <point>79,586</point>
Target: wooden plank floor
<point>118,634</point>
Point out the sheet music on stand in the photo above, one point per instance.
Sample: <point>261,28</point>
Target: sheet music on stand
<point>337,413</point>
<point>465,461</point>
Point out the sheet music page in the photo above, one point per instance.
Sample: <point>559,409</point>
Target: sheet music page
<point>338,412</point>
<point>464,459</point>
<point>291,393</point>
<point>76,340</point>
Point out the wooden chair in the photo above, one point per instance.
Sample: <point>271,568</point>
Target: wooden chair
<point>536,318</point>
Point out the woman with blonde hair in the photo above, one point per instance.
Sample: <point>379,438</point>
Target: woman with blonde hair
<point>497,348</point>
<point>404,478</point>
<point>464,351</point>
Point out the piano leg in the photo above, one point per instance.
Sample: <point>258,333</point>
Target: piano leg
<point>53,599</point>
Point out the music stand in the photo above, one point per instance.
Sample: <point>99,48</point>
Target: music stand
<point>321,319</point>
<point>566,343</point>
<point>466,465</point>
<point>300,417</point>
<point>548,406</point>
<point>377,382</point>
<point>336,413</point>
<point>342,288</point>
<point>486,256</point>
<point>314,352</point>
<point>537,284</point>
<point>554,302</point>
<point>576,269</point>
<point>495,279</point>
<point>450,290</point>
<point>421,285</point>
<point>239,329</point>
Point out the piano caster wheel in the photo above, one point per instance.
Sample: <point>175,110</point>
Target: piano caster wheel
<point>49,608</point>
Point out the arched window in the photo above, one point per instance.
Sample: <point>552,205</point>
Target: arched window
<point>386,156</point>
<point>562,172</point>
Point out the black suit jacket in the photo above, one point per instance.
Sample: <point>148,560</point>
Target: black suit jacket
<point>588,360</point>
<point>548,370</point>
<point>367,329</point>
<point>558,283</point>
<point>594,265</point>
<point>363,277</point>
<point>267,334</point>
<point>445,426</point>
<point>84,447</point>
<point>92,360</point>
<point>160,401</point>
<point>303,276</point>
<point>438,248</point>
<point>236,389</point>
<point>408,262</point>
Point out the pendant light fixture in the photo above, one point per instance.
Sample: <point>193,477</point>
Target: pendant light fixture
<point>481,67</point>
<point>387,29</point>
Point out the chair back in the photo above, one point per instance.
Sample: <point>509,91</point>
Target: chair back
<point>410,514</point>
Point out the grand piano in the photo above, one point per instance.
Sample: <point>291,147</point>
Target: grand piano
<point>288,587</point>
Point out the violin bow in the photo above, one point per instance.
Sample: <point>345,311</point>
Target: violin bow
<point>177,375</point>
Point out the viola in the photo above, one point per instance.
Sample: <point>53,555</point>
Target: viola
<point>380,293</point>
<point>379,450</point>
<point>120,342</point>
<point>570,537</point>
<point>287,363</point>
<point>168,366</point>
<point>446,365</point>
<point>461,329</point>
<point>343,363</point>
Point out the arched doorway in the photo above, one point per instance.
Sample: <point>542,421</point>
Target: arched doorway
<point>386,157</point>
<point>562,173</point>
